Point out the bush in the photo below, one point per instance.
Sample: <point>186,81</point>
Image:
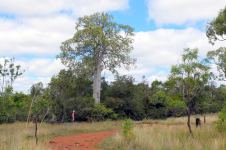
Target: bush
<point>3,118</point>
<point>221,123</point>
<point>7,118</point>
<point>158,106</point>
<point>7,110</point>
<point>127,128</point>
<point>176,107</point>
<point>100,113</point>
<point>83,107</point>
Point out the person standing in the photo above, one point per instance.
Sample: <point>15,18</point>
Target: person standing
<point>73,116</point>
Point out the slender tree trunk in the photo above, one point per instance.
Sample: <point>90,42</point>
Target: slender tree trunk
<point>47,112</point>
<point>36,130</point>
<point>204,118</point>
<point>97,83</point>
<point>63,116</point>
<point>29,112</point>
<point>189,121</point>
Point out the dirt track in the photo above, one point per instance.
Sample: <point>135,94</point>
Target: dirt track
<point>87,141</point>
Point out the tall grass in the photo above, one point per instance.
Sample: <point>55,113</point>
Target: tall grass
<point>19,137</point>
<point>171,134</point>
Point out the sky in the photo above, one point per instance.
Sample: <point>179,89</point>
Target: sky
<point>31,31</point>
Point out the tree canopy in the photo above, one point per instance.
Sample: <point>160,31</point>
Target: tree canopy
<point>9,72</point>
<point>216,29</point>
<point>190,77</point>
<point>219,58</point>
<point>98,43</point>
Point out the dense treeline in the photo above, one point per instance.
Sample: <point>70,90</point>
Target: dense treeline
<point>120,99</point>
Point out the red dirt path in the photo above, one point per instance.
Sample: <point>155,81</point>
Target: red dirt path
<point>86,141</point>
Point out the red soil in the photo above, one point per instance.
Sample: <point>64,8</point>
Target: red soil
<point>86,141</point>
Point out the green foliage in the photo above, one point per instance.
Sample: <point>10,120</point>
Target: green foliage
<point>7,110</point>
<point>216,30</point>
<point>13,107</point>
<point>39,108</point>
<point>98,43</point>
<point>68,92</point>
<point>122,99</point>
<point>218,57</point>
<point>98,39</point>
<point>176,106</point>
<point>21,102</point>
<point>127,128</point>
<point>211,99</point>
<point>190,77</point>
<point>9,72</point>
<point>187,87</point>
<point>158,105</point>
<point>83,107</point>
<point>221,124</point>
<point>100,113</point>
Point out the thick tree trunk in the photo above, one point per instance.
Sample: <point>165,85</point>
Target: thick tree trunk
<point>189,121</point>
<point>97,83</point>
<point>204,118</point>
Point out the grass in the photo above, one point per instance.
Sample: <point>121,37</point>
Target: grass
<point>17,136</point>
<point>171,134</point>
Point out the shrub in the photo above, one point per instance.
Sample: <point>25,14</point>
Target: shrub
<point>127,128</point>
<point>3,118</point>
<point>7,110</point>
<point>100,113</point>
<point>221,123</point>
<point>83,107</point>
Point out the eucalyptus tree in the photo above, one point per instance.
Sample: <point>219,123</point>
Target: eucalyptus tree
<point>35,91</point>
<point>9,72</point>
<point>219,58</point>
<point>190,76</point>
<point>98,43</point>
<point>216,30</point>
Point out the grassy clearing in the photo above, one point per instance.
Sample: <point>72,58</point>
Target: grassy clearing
<point>171,134</point>
<point>19,137</point>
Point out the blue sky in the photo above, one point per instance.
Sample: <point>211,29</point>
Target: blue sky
<point>162,29</point>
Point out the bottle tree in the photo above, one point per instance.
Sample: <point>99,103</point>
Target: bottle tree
<point>98,43</point>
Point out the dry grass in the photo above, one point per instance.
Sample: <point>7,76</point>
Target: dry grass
<point>171,134</point>
<point>19,137</point>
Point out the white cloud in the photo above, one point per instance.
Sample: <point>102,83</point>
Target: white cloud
<point>42,67</point>
<point>183,11</point>
<point>37,70</point>
<point>38,31</point>
<point>35,33</point>
<point>156,51</point>
<point>39,27</point>
<point>34,36</point>
<point>40,8</point>
<point>24,83</point>
<point>157,76</point>
<point>163,47</point>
